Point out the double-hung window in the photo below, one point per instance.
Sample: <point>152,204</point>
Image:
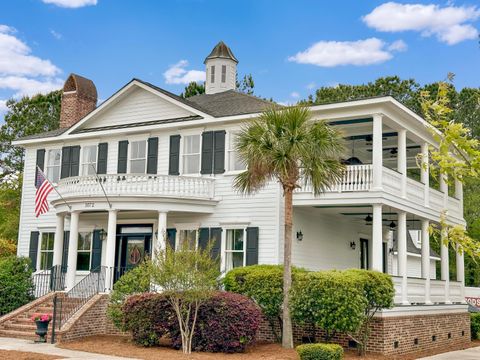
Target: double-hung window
<point>54,164</point>
<point>84,251</point>
<point>234,162</point>
<point>191,154</point>
<point>46,250</point>
<point>234,248</point>
<point>212,74</point>
<point>189,237</point>
<point>138,157</point>
<point>89,160</point>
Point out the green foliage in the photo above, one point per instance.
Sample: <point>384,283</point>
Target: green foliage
<point>246,85</point>
<point>332,300</point>
<point>10,199</point>
<point>475,325</point>
<point>27,116</point>
<point>16,286</point>
<point>135,281</point>
<point>320,352</point>
<point>7,248</point>
<point>192,89</point>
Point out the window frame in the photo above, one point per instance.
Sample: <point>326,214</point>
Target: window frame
<point>83,162</point>
<point>224,246</point>
<point>48,165</point>
<point>40,251</point>
<point>85,251</point>
<point>212,74</point>
<point>130,153</point>
<point>224,74</point>
<point>230,149</point>
<point>183,154</point>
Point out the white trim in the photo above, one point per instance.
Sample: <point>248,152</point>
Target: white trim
<point>129,154</point>
<point>419,310</point>
<point>223,246</point>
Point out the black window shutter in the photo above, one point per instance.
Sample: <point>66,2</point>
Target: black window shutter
<point>207,153</point>
<point>40,164</point>
<point>152,155</point>
<point>174,156</point>
<point>219,152</point>
<point>66,237</point>
<point>171,234</point>
<point>96,251</point>
<point>203,237</point>
<point>74,160</point>
<point>216,237</point>
<point>33,250</point>
<point>102,158</point>
<point>252,246</point>
<point>122,157</point>
<point>65,169</point>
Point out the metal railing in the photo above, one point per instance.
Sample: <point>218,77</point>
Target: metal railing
<point>67,304</point>
<point>49,280</point>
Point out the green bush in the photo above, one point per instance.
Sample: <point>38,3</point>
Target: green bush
<point>16,285</point>
<point>135,281</point>
<point>320,352</point>
<point>475,325</point>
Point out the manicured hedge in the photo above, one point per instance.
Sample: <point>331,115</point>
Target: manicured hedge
<point>227,322</point>
<point>475,325</point>
<point>320,352</point>
<point>16,285</point>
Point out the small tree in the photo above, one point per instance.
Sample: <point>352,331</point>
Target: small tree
<point>187,278</point>
<point>16,285</point>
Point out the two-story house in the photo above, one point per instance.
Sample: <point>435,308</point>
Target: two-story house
<point>147,167</point>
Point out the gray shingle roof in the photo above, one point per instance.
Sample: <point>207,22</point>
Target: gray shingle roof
<point>221,50</point>
<point>411,248</point>
<point>230,103</point>
<point>46,134</point>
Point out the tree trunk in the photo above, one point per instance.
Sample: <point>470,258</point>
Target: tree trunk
<point>287,336</point>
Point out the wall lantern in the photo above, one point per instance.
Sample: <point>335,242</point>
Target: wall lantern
<point>103,234</point>
<point>368,219</point>
<point>393,225</point>
<point>353,245</point>
<point>299,235</point>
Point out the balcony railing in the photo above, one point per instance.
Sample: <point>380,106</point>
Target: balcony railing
<point>138,185</point>
<point>438,292</point>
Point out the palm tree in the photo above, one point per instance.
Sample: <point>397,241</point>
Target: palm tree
<point>284,145</point>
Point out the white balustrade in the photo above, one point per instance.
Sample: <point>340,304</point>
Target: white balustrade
<point>392,181</point>
<point>454,206</point>
<point>415,191</point>
<point>456,292</point>
<point>138,184</point>
<point>416,291</point>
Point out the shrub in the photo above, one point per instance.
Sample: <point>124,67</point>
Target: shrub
<point>475,325</point>
<point>320,352</point>
<point>7,248</point>
<point>16,285</point>
<point>135,281</point>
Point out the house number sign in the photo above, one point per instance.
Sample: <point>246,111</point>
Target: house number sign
<point>89,204</point>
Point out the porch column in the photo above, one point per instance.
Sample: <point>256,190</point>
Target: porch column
<point>460,269</point>
<point>58,241</point>
<point>377,151</point>
<point>110,253</point>
<point>72,250</point>
<point>444,189</point>
<point>445,272</point>
<point>402,160</point>
<point>377,234</point>
<point>425,174</point>
<point>402,253</point>
<point>459,193</point>
<point>161,240</point>
<point>426,259</point>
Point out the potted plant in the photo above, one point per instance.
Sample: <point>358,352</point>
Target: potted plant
<point>42,321</point>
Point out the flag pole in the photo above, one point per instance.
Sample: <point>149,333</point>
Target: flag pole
<point>101,185</point>
<point>54,188</point>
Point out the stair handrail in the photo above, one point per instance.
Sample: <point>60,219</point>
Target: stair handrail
<point>46,281</point>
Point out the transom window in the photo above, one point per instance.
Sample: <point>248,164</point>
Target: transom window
<point>89,160</point>
<point>138,157</point>
<point>189,237</point>
<point>191,154</point>
<point>224,73</point>
<point>234,249</point>
<point>234,161</point>
<point>54,163</point>
<point>84,251</point>
<point>46,251</point>
<point>212,74</point>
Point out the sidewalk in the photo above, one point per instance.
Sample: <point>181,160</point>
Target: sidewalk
<point>50,349</point>
<point>468,354</point>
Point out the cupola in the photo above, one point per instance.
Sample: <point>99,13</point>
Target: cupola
<point>221,69</point>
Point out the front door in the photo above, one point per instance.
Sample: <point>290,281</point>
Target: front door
<point>364,254</point>
<point>132,245</point>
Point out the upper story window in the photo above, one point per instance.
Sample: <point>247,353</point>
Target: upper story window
<point>224,73</point>
<point>54,163</point>
<point>234,162</point>
<point>234,249</point>
<point>191,154</point>
<point>89,160</point>
<point>46,250</point>
<point>212,74</point>
<point>84,251</point>
<point>138,157</point>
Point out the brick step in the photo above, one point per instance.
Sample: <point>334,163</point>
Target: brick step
<point>20,327</point>
<point>18,334</point>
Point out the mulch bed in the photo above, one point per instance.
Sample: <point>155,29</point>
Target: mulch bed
<point>20,355</point>
<point>123,346</point>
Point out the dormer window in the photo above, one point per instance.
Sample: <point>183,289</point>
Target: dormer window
<point>212,74</point>
<point>224,73</point>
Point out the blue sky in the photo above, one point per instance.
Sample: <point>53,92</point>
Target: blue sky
<point>290,47</point>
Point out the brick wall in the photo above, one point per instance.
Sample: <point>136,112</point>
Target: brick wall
<point>74,108</point>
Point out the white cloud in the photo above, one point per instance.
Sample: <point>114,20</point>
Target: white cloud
<point>73,4</point>
<point>177,74</point>
<point>450,24</point>
<point>398,45</point>
<point>55,34</point>
<point>27,86</point>
<point>334,53</point>
<point>295,95</point>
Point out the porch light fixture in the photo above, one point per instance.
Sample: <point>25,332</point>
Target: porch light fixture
<point>392,225</point>
<point>299,235</point>
<point>353,245</point>
<point>103,234</point>
<point>368,219</point>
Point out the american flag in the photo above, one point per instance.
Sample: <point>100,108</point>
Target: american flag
<point>43,189</point>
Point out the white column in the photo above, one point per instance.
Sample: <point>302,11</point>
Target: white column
<point>377,240</point>
<point>402,160</point>
<point>377,151</point>
<point>110,253</point>
<point>445,272</point>
<point>444,190</point>
<point>459,193</point>
<point>460,269</point>
<point>426,259</point>
<point>402,253</point>
<point>425,174</point>
<point>58,241</point>
<point>72,250</point>
<point>161,241</point>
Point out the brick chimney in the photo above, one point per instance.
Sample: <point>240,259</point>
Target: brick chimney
<point>78,99</point>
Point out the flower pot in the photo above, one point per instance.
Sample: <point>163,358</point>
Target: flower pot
<point>42,329</point>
